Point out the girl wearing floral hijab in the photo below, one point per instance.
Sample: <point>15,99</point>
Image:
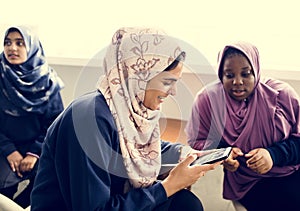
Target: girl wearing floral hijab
<point>260,119</point>
<point>29,102</point>
<point>104,152</point>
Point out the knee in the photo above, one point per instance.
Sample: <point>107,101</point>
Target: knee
<point>186,200</point>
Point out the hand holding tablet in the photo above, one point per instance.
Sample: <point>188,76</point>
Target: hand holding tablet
<point>208,157</point>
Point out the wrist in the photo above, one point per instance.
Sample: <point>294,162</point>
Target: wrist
<point>169,187</point>
<point>33,155</point>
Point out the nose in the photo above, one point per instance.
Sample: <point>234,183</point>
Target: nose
<point>13,46</point>
<point>238,81</point>
<point>173,90</point>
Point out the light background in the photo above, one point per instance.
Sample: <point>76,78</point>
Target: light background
<point>79,29</point>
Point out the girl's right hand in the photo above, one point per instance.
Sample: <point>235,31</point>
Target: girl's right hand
<point>183,175</point>
<point>14,159</point>
<point>231,164</point>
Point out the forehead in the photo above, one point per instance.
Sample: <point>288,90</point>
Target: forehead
<point>174,73</point>
<point>236,59</point>
<point>14,35</point>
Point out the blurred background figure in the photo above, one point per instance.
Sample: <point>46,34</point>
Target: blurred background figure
<point>29,102</point>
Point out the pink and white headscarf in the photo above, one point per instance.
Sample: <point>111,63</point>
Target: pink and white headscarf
<point>134,56</point>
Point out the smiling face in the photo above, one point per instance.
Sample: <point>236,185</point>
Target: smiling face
<point>238,78</point>
<point>14,48</point>
<point>161,86</point>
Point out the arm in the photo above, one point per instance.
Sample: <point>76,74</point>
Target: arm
<point>6,145</point>
<point>55,106</point>
<point>286,152</point>
<point>81,167</point>
<point>99,179</point>
<point>101,167</point>
<point>54,109</point>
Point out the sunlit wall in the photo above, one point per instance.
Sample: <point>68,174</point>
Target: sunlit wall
<point>79,29</point>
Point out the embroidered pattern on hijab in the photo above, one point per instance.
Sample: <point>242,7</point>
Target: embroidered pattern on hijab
<point>27,88</point>
<point>134,57</point>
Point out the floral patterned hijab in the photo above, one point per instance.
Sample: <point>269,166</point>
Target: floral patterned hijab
<point>27,88</point>
<point>134,57</point>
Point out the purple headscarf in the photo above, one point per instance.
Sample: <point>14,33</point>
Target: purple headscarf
<point>271,114</point>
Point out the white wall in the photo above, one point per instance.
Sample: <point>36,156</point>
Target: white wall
<point>79,29</point>
<point>80,79</point>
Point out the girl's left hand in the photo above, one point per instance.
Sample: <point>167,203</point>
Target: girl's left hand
<point>259,160</point>
<point>27,163</point>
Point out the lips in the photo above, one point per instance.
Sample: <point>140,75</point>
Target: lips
<point>12,56</point>
<point>238,93</point>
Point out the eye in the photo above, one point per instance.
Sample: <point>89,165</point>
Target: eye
<point>246,74</point>
<point>228,75</point>
<point>7,42</point>
<point>168,82</point>
<point>20,43</point>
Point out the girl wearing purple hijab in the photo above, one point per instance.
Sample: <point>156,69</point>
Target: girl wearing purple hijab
<point>260,120</point>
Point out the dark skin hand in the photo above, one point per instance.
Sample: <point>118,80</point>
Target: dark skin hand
<point>231,164</point>
<point>19,164</point>
<point>258,160</point>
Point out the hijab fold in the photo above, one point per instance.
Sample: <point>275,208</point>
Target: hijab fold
<point>134,56</point>
<point>28,87</point>
<point>269,115</point>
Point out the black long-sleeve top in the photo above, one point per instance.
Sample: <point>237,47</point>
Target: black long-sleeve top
<point>26,133</point>
<point>286,152</point>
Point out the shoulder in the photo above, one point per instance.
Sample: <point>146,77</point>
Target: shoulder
<point>283,88</point>
<point>84,117</point>
<point>210,92</point>
<point>90,105</point>
<point>55,104</point>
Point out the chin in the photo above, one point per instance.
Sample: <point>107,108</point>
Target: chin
<point>14,62</point>
<point>155,107</point>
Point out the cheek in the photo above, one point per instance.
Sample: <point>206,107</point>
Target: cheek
<point>24,55</point>
<point>250,82</point>
<point>227,84</point>
<point>156,87</point>
<point>5,51</point>
<point>149,95</point>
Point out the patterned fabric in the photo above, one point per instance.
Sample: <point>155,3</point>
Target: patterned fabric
<point>29,86</point>
<point>134,57</point>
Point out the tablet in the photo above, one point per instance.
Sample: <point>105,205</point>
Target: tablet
<point>213,156</point>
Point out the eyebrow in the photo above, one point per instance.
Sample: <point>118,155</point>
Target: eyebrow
<point>243,68</point>
<point>247,68</point>
<point>17,39</point>
<point>170,79</point>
